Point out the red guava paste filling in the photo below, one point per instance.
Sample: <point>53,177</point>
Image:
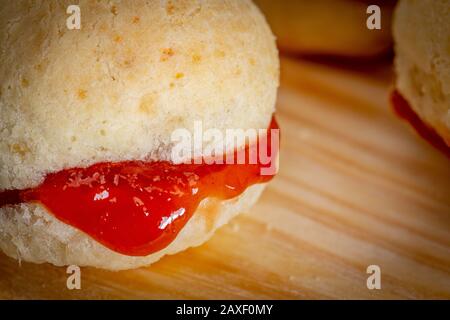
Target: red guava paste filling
<point>404,110</point>
<point>136,207</point>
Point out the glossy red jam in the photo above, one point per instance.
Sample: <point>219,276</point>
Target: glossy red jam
<point>135,207</point>
<point>404,110</point>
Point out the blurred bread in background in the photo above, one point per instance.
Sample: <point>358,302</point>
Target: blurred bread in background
<point>422,60</point>
<point>328,27</point>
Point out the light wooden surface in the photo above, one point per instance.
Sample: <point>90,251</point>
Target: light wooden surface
<point>356,187</point>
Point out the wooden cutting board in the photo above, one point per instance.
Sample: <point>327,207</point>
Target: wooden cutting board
<point>356,187</point>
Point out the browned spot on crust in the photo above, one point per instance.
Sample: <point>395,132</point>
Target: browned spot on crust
<point>136,19</point>
<point>170,8</point>
<point>166,54</point>
<point>147,104</point>
<point>117,38</point>
<point>179,75</point>
<point>82,94</point>
<point>19,148</point>
<point>219,53</point>
<point>127,63</point>
<point>196,58</point>
<point>39,38</point>
<point>114,10</point>
<point>25,83</point>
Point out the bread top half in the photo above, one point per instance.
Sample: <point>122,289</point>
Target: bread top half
<point>117,88</point>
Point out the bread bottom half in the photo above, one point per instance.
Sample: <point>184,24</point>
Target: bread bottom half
<point>30,233</point>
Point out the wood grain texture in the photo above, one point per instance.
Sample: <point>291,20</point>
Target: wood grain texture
<point>356,187</point>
